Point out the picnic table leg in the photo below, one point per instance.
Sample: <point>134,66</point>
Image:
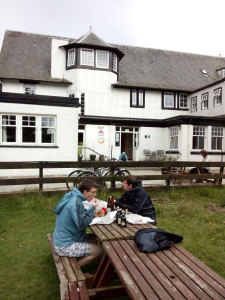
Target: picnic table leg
<point>103,274</point>
<point>221,172</point>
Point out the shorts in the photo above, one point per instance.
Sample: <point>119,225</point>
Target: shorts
<point>77,249</point>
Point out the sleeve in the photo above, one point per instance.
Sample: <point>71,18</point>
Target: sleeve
<point>81,216</point>
<point>120,201</point>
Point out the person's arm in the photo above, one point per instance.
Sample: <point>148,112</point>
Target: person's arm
<point>82,216</point>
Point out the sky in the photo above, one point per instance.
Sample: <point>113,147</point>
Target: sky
<point>193,26</point>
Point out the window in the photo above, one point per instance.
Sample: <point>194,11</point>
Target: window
<point>47,130</point>
<point>71,58</point>
<point>217,96</point>
<point>183,101</point>
<point>137,98</point>
<point>82,104</point>
<point>87,57</point>
<point>174,138</point>
<point>198,137</point>
<point>102,59</point>
<point>27,129</point>
<point>217,138</point>
<point>8,131</point>
<point>115,63</point>
<point>204,99</point>
<point>29,89</point>
<point>204,72</point>
<point>168,100</point>
<point>194,104</point>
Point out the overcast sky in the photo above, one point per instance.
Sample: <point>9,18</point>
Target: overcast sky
<point>195,26</point>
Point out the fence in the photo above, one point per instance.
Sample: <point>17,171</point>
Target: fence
<point>146,165</point>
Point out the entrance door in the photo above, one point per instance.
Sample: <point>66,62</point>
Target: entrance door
<point>127,144</point>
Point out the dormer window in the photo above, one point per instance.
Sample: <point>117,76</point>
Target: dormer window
<point>102,59</point>
<point>217,96</point>
<point>71,58</point>
<point>87,57</point>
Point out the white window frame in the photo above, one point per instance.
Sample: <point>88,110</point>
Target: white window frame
<point>168,103</point>
<point>71,58</point>
<point>204,100</point>
<point>174,138</point>
<point>199,137</point>
<point>28,122</point>
<point>19,125</point>
<point>217,96</point>
<point>134,98</point>
<point>102,59</point>
<point>115,63</point>
<point>183,102</point>
<point>30,89</point>
<point>194,103</point>
<point>87,57</point>
<point>217,138</point>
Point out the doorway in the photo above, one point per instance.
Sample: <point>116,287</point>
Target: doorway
<point>127,144</point>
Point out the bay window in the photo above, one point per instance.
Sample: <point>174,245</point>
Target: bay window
<point>174,138</point>
<point>102,59</point>
<point>198,137</point>
<point>216,138</point>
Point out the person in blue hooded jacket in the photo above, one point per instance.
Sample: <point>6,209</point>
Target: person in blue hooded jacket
<point>123,156</point>
<point>69,236</point>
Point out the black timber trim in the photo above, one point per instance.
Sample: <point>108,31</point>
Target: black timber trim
<point>23,146</point>
<point>52,80</point>
<point>150,88</point>
<point>175,121</point>
<point>209,152</point>
<point>172,152</point>
<point>38,99</point>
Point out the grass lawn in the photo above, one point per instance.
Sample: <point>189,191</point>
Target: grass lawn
<point>27,270</point>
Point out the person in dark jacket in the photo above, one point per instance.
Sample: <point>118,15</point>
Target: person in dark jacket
<point>136,199</point>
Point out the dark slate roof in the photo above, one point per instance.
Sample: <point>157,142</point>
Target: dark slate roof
<point>161,69</point>
<point>28,56</point>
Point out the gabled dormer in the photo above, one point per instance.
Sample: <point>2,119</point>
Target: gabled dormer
<point>221,72</point>
<point>91,52</point>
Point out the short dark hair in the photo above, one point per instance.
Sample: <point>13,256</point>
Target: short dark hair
<point>86,185</point>
<point>130,179</point>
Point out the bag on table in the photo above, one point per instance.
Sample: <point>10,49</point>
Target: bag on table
<point>154,239</point>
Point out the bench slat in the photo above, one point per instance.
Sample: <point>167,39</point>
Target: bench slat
<point>74,295</point>
<point>58,263</point>
<point>69,270</point>
<point>76,269</point>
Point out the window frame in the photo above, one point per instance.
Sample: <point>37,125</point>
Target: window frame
<point>174,133</point>
<point>182,100</point>
<point>217,138</point>
<point>137,103</point>
<point>114,62</point>
<point>217,97</point>
<point>71,62</point>
<point>198,137</point>
<point>106,66</point>
<point>87,50</point>
<point>204,101</point>
<point>164,100</point>
<point>20,126</point>
<point>194,104</point>
<point>31,87</point>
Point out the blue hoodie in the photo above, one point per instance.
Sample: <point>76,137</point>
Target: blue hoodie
<point>72,219</point>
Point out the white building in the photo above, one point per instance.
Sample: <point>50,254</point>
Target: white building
<point>131,99</point>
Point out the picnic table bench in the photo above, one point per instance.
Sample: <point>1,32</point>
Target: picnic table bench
<point>71,277</point>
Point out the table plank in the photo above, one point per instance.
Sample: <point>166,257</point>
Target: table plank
<point>163,274</point>
<point>127,280</point>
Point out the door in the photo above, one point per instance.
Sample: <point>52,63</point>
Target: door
<point>127,144</point>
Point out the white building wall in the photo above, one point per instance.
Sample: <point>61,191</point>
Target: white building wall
<point>58,58</point>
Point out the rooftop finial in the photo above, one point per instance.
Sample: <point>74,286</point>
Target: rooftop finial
<point>90,28</point>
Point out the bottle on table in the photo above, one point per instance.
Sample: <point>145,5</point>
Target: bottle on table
<point>123,219</point>
<point>119,217</point>
<point>111,204</point>
<point>118,210</point>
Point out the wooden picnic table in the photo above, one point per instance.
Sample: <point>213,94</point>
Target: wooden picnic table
<point>168,274</point>
<point>113,231</point>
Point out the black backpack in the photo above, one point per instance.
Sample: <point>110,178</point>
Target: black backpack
<point>154,239</point>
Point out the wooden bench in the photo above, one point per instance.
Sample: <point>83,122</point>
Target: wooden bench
<point>72,279</point>
<point>168,274</point>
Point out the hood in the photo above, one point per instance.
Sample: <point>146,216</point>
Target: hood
<point>139,185</point>
<point>74,193</point>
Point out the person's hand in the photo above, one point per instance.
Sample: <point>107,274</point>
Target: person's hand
<point>94,202</point>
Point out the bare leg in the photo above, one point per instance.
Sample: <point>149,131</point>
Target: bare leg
<point>96,251</point>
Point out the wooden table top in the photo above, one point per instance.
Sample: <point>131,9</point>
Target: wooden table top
<point>114,232</point>
<point>168,274</point>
